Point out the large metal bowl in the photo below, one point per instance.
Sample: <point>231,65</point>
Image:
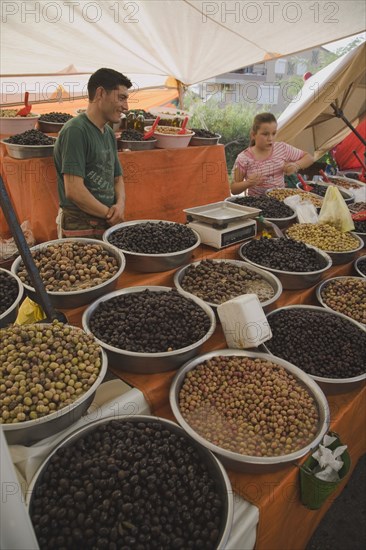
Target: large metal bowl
<point>215,468</point>
<point>248,463</point>
<point>345,257</point>
<point>149,363</point>
<point>320,288</point>
<point>329,385</point>
<point>144,145</point>
<point>17,151</point>
<point>347,195</point>
<point>271,279</point>
<point>10,314</point>
<point>66,300</point>
<point>356,265</point>
<point>282,223</point>
<point>31,431</point>
<point>153,263</point>
<point>204,141</point>
<point>292,279</point>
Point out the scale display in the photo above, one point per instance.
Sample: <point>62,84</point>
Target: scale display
<point>220,237</point>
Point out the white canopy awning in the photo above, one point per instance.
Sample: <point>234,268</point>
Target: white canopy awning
<point>310,121</point>
<point>190,40</point>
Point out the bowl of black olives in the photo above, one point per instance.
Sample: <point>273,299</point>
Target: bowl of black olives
<point>152,246</point>
<point>149,329</point>
<point>143,479</point>
<point>204,137</point>
<point>11,293</point>
<point>53,122</point>
<point>29,144</point>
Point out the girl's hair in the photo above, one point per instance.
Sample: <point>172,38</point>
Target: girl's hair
<point>259,119</point>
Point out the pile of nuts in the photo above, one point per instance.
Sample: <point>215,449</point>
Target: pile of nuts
<point>8,291</point>
<point>153,238</point>
<point>149,321</point>
<point>171,130</point>
<point>43,368</point>
<point>219,281</point>
<point>271,207</point>
<point>12,113</point>
<point>128,484</point>
<point>70,266</point>
<point>249,406</point>
<point>319,342</point>
<point>282,194</point>
<point>342,182</point>
<point>346,295</point>
<point>323,236</point>
<point>283,254</point>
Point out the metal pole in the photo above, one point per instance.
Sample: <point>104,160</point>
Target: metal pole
<point>26,255</point>
<point>339,114</point>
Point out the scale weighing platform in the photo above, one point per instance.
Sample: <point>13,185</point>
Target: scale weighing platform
<point>221,224</point>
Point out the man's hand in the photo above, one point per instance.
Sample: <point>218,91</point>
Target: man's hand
<point>115,214</point>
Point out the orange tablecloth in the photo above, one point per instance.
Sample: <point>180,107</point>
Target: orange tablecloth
<point>159,184</point>
<point>283,523</point>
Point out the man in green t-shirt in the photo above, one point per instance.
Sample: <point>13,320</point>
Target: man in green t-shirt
<point>89,174</point>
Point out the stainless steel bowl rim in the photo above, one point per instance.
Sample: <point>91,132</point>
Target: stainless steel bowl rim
<point>324,255</point>
<point>111,230</point>
<point>304,378</point>
<point>19,145</point>
<point>356,262</point>
<point>240,263</point>
<point>81,431</point>
<point>342,190</point>
<point>111,248</point>
<point>68,408</point>
<point>358,378</point>
<point>19,296</point>
<point>130,290</point>
<point>273,220</point>
<point>325,283</point>
<point>361,244</point>
<point>58,123</point>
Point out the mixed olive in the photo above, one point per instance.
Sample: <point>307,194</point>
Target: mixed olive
<point>249,406</point>
<point>323,236</point>
<point>8,291</point>
<point>346,295</point>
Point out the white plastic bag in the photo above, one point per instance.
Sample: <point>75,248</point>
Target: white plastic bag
<point>305,210</point>
<point>334,211</point>
<point>8,247</point>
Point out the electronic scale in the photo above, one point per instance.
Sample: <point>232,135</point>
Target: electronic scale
<point>221,224</point>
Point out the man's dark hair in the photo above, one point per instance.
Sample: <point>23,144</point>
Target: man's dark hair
<point>109,79</point>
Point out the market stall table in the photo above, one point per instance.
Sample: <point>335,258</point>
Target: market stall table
<point>159,185</point>
<point>284,523</point>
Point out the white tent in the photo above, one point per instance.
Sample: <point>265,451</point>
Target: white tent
<point>313,120</point>
<point>190,40</point>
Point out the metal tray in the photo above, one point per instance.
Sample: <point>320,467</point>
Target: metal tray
<point>221,213</point>
<point>17,151</point>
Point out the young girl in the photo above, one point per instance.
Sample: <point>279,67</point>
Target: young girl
<point>265,163</point>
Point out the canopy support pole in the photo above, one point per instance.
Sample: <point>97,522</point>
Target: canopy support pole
<point>339,114</point>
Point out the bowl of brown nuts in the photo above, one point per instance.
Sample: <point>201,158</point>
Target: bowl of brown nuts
<point>168,137</point>
<point>217,281</point>
<point>256,412</point>
<point>41,400</point>
<point>74,271</point>
<point>11,293</point>
<point>327,345</point>
<point>149,329</point>
<point>346,295</point>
